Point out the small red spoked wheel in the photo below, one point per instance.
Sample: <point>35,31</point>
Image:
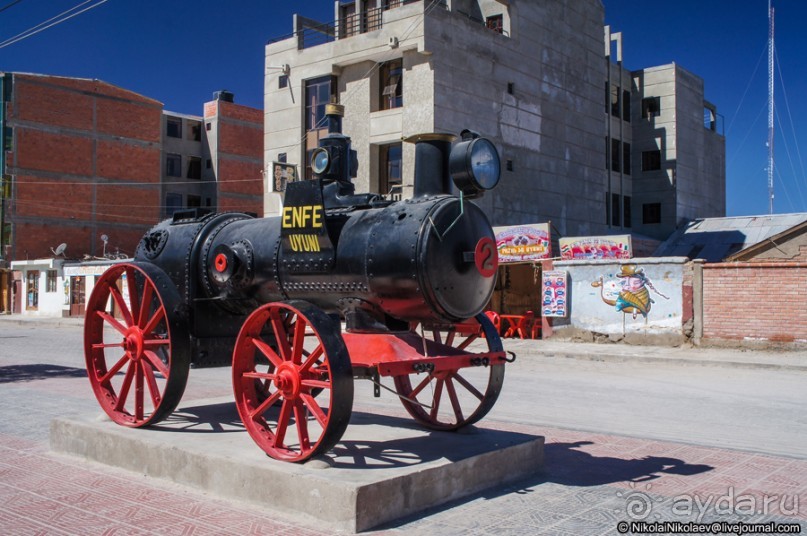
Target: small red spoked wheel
<point>451,399</point>
<point>286,354</point>
<point>136,349</point>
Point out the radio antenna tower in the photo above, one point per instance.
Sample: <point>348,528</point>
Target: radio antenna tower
<point>770,107</point>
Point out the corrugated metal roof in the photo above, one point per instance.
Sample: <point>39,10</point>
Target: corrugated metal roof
<point>714,239</point>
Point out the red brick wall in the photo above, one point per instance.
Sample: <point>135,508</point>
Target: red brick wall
<point>755,300</point>
<point>237,176</point>
<point>240,139</point>
<point>73,136</point>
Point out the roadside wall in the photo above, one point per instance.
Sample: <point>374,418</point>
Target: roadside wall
<point>755,301</point>
<point>641,300</point>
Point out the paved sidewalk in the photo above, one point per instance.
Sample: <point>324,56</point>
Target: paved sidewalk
<point>591,482</point>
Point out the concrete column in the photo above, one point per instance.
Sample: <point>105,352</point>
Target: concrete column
<point>697,300</point>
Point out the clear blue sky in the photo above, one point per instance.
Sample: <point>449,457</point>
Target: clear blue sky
<point>180,51</point>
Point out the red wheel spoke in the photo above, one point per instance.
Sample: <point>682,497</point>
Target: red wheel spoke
<point>101,346</point>
<point>464,344</point>
<point>283,422</point>
<point>322,384</point>
<point>155,319</point>
<point>471,389</point>
<point>420,386</point>
<point>151,382</point>
<point>302,426</point>
<point>438,394</point>
<point>112,321</point>
<point>299,340</point>
<point>145,304</point>
<point>114,370</point>
<point>134,302</point>
<point>124,388</point>
<point>156,342</point>
<point>260,375</point>
<point>450,338</point>
<point>312,358</point>
<point>314,408</point>
<point>266,404</point>
<point>455,403</point>
<point>156,362</point>
<point>121,303</point>
<point>268,352</point>
<point>139,390</point>
<point>281,335</point>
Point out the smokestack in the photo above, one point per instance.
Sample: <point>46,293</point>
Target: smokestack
<point>431,163</point>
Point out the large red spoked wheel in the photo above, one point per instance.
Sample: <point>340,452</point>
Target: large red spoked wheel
<point>137,351</point>
<point>288,353</point>
<point>451,399</point>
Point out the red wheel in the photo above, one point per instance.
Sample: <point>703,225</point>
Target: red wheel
<point>451,399</point>
<point>286,354</point>
<point>136,350</point>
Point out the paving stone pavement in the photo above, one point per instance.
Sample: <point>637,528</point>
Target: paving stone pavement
<point>590,483</point>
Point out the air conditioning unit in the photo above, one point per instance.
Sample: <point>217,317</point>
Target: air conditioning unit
<point>393,42</point>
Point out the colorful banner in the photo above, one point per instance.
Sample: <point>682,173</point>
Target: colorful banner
<point>555,296</point>
<point>596,247</point>
<point>523,243</point>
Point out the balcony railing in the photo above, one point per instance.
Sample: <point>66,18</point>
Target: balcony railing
<point>311,33</point>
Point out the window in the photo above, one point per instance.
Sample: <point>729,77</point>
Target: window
<point>614,100</point>
<point>208,126</point>
<point>615,210</point>
<point>173,202</point>
<point>651,160</point>
<point>709,118</point>
<point>626,158</point>
<point>194,201</point>
<point>208,163</point>
<point>50,281</point>
<point>194,130</point>
<point>283,81</point>
<point>651,107</point>
<point>651,213</point>
<point>391,85</point>
<point>616,148</point>
<point>390,176</point>
<point>282,157</point>
<point>626,105</point>
<point>173,165</point>
<point>32,290</point>
<point>607,153</point>
<point>626,214</point>
<point>194,167</point>
<point>318,92</point>
<point>495,23</point>
<point>173,127</point>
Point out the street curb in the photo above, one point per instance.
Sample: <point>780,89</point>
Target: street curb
<point>619,358</point>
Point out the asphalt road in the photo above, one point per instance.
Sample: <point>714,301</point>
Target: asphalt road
<point>755,410</point>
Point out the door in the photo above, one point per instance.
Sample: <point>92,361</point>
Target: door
<point>77,290</point>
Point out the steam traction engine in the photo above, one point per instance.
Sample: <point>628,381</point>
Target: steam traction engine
<point>408,278</point>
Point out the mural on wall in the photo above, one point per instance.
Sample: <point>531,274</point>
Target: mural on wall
<point>596,247</point>
<point>630,294</point>
<point>523,243</point>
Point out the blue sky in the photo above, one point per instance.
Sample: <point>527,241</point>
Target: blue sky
<point>180,51</point>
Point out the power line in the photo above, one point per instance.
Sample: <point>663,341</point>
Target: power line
<point>53,21</point>
<point>12,4</point>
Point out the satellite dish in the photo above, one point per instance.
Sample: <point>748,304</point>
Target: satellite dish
<point>105,238</point>
<point>59,249</point>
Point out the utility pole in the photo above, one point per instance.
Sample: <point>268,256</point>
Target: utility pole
<point>770,107</point>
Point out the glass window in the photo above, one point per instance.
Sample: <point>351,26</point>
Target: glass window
<point>318,92</point>
<point>173,165</point>
<point>391,85</point>
<point>32,290</point>
<point>626,105</point>
<point>495,23</point>
<point>626,158</point>
<point>614,100</point>
<point>616,148</point>
<point>173,203</point>
<point>615,210</point>
<point>194,201</point>
<point>626,213</point>
<point>50,281</point>
<point>173,127</point>
<point>390,174</point>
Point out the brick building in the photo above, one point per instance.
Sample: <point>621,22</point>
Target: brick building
<point>94,166</point>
